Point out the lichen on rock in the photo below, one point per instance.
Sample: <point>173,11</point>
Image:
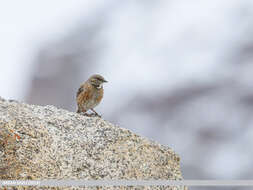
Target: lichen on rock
<point>44,142</point>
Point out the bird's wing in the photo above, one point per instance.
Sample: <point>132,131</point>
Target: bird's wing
<point>84,93</point>
<point>80,90</point>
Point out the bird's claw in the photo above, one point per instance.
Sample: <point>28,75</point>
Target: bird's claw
<point>84,114</point>
<point>91,114</point>
<point>95,114</point>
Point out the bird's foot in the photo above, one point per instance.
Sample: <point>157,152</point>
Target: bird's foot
<point>84,114</point>
<point>91,114</point>
<point>95,115</point>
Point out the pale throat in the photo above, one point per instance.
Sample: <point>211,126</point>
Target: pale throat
<point>100,86</point>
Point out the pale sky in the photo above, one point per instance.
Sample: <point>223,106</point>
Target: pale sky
<point>25,25</point>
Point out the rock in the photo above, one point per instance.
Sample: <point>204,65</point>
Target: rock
<point>39,142</point>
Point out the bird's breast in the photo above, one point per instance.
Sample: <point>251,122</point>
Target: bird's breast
<point>99,94</point>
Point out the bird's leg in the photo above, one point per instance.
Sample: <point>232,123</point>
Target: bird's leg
<point>95,112</point>
<point>82,112</point>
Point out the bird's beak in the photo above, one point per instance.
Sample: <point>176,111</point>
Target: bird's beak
<point>105,80</point>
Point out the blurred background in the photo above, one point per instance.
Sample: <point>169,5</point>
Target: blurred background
<point>180,72</point>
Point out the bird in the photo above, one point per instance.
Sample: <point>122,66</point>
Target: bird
<point>90,94</point>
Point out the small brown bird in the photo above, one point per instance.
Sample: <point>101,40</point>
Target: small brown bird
<point>90,94</point>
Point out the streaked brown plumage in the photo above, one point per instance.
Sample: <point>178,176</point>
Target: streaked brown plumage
<point>90,94</point>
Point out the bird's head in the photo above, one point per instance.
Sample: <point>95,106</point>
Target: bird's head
<point>97,81</point>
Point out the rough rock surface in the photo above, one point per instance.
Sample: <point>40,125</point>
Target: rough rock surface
<point>49,143</point>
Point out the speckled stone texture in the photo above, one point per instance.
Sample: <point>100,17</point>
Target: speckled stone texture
<point>39,142</point>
